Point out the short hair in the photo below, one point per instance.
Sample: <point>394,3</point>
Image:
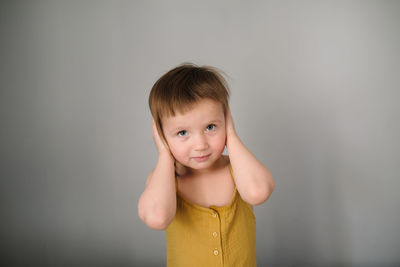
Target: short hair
<point>180,88</point>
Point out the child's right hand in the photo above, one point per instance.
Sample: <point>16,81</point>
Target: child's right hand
<point>161,146</point>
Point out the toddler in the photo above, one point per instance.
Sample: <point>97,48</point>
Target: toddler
<point>201,198</point>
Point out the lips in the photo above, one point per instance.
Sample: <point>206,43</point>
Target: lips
<point>201,159</point>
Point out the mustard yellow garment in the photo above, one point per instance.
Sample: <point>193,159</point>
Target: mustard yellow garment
<point>214,236</point>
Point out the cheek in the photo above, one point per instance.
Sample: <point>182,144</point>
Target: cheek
<point>177,150</point>
<point>219,143</point>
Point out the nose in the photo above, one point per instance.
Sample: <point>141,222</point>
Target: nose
<point>200,142</point>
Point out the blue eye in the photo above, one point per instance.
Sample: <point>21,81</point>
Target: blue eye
<point>211,127</point>
<point>182,133</point>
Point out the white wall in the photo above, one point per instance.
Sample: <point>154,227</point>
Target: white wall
<point>315,91</point>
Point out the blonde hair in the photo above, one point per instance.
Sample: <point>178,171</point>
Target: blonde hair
<point>180,88</point>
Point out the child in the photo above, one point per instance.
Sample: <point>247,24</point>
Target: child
<point>201,198</point>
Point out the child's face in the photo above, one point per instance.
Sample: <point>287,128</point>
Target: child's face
<point>197,138</point>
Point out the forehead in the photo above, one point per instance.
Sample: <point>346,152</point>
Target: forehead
<point>203,111</point>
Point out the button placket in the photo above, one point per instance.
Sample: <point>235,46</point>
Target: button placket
<point>217,249</point>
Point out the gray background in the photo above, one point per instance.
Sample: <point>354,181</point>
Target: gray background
<point>315,93</point>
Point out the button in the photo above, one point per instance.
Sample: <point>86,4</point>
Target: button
<point>215,234</point>
<point>214,215</point>
<point>216,252</point>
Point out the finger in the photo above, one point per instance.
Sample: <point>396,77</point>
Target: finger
<point>229,123</point>
<point>154,129</point>
<point>152,125</point>
<point>228,111</point>
<point>160,143</point>
<point>156,136</point>
<point>228,117</point>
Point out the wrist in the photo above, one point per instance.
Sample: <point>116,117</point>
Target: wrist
<point>166,156</point>
<point>231,139</point>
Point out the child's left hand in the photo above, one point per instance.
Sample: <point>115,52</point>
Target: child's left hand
<point>230,127</point>
<point>253,180</point>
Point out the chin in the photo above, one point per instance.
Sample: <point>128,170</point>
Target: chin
<point>204,165</point>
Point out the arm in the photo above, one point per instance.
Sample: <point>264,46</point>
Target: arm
<point>157,204</point>
<point>253,180</point>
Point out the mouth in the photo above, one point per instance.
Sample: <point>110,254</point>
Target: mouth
<point>202,158</point>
